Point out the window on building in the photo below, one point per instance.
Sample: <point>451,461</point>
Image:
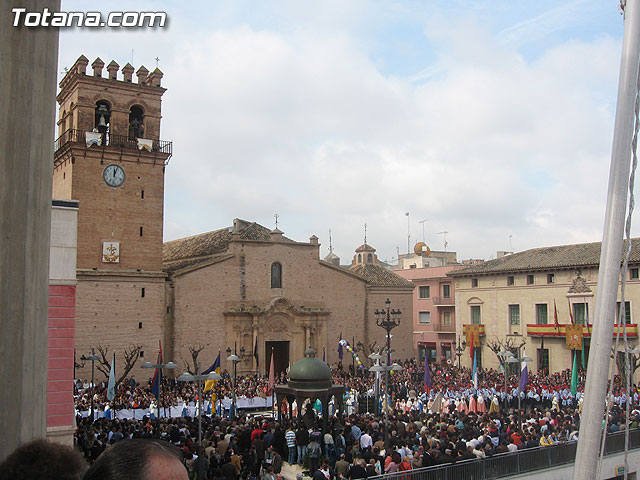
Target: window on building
<point>514,314</point>
<point>424,317</point>
<point>476,318</point>
<point>627,313</point>
<point>369,258</point>
<point>551,278</point>
<point>478,355</point>
<point>276,275</point>
<point>446,319</point>
<point>359,258</point>
<point>142,292</point>
<point>543,360</point>
<point>424,292</point>
<point>511,280</point>
<point>542,314</point>
<point>634,274</point>
<point>446,291</point>
<point>102,117</point>
<point>580,313</point>
<point>474,283</point>
<point>530,279</point>
<point>136,122</point>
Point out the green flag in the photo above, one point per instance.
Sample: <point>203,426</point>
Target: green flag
<point>574,374</point>
<point>584,364</point>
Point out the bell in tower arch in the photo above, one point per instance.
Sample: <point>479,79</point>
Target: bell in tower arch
<point>136,122</point>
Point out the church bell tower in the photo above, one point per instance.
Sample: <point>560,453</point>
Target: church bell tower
<point>110,158</point>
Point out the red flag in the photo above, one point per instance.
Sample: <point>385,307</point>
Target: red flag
<point>471,346</point>
<point>570,313</point>
<point>272,377</point>
<point>555,316</point>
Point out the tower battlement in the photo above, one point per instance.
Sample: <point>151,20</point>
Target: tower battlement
<point>143,77</point>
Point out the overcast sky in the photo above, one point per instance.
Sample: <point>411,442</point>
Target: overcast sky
<point>492,119</point>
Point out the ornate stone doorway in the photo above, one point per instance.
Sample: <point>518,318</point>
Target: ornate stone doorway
<point>280,351</point>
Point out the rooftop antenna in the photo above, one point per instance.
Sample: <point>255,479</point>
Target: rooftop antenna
<point>365,233</point>
<point>422,222</point>
<point>408,234</point>
<point>510,244</point>
<point>330,246</point>
<point>276,217</point>
<point>444,232</point>
<point>398,253</point>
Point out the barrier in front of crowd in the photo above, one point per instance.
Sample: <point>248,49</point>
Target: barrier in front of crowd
<point>508,464</point>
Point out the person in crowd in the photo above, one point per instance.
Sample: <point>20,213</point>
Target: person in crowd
<point>138,459</point>
<point>43,459</point>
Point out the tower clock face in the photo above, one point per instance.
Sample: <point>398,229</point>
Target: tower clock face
<point>113,175</point>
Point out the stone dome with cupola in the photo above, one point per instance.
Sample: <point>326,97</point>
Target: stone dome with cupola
<point>310,373</point>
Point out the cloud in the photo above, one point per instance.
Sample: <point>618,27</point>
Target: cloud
<point>304,123</point>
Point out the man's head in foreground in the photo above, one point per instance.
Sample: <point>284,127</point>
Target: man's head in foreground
<point>139,459</point>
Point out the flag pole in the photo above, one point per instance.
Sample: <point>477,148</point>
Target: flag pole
<point>587,455</point>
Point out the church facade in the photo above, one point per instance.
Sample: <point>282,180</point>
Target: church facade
<point>256,291</point>
<point>243,287</point>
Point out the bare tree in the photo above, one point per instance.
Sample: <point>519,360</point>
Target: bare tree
<point>367,350</point>
<point>131,356</point>
<point>194,350</point>
<point>496,345</point>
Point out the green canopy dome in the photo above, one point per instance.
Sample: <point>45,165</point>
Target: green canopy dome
<point>310,373</point>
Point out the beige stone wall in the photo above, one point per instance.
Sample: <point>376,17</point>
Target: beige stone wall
<point>401,341</point>
<point>109,310</point>
<point>62,176</point>
<point>203,294</point>
<point>494,296</point>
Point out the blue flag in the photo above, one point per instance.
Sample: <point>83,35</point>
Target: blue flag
<point>524,375</point>
<point>427,373</point>
<point>111,388</point>
<point>214,366</point>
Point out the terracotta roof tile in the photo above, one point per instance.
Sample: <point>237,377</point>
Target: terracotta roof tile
<point>188,251</point>
<point>378,276</point>
<point>546,258</point>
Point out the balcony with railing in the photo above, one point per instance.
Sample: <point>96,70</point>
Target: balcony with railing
<point>444,326</point>
<point>443,301</point>
<point>535,330</point>
<point>75,136</point>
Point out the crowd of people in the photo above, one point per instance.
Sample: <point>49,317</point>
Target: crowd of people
<point>453,422</point>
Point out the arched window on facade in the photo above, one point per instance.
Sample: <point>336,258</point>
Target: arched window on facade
<point>359,258</point>
<point>369,258</point>
<point>276,275</point>
<point>136,122</point>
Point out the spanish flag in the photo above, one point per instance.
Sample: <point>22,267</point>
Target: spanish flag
<point>209,384</point>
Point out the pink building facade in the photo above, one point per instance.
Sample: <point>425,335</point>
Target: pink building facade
<point>61,326</point>
<point>434,316</point>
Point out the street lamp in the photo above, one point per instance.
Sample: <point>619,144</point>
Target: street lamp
<point>519,361</point>
<point>459,348</point>
<point>387,319</point>
<point>504,355</point>
<point>234,359</point>
<point>160,366</point>
<point>93,357</point>
<point>187,377</point>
